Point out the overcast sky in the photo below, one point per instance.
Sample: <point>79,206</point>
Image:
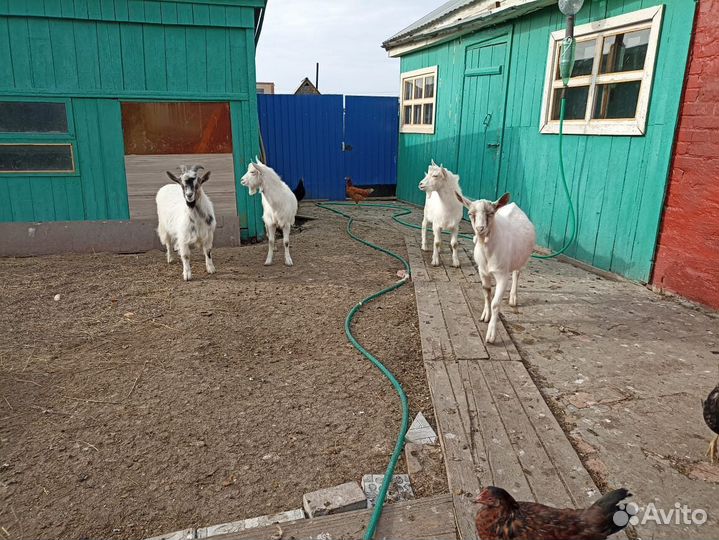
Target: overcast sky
<point>344,36</point>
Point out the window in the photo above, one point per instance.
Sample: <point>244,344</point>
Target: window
<point>418,100</point>
<point>32,117</point>
<point>36,137</point>
<point>610,84</point>
<point>52,157</point>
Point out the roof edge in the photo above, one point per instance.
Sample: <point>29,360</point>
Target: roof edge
<point>423,37</point>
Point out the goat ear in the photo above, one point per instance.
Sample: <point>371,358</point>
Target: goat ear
<point>464,200</point>
<point>205,177</point>
<point>503,200</point>
<point>173,177</point>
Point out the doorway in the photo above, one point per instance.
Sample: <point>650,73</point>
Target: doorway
<point>482,117</point>
<point>161,136</point>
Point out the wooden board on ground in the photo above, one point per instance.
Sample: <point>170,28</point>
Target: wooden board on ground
<point>433,333</point>
<point>416,261</point>
<point>429,518</point>
<point>464,472</point>
<point>463,332</point>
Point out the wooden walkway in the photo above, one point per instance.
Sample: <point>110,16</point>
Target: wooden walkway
<point>494,426</point>
<point>430,518</point>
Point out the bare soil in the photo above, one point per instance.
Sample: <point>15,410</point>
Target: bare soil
<point>138,404</point>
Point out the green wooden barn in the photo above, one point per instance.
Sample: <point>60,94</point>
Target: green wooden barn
<point>83,83</point>
<point>480,93</point>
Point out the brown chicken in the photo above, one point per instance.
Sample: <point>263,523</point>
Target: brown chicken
<point>503,518</point>
<point>357,194</point>
<point>711,417</point>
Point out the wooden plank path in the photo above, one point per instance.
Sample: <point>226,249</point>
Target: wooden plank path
<point>422,519</point>
<point>494,426</point>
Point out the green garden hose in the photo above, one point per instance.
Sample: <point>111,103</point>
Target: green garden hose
<point>572,215</point>
<point>388,475</point>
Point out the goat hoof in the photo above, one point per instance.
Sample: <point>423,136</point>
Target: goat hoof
<point>187,277</point>
<point>491,335</point>
<point>268,263</point>
<point>211,270</point>
<point>455,264</point>
<point>513,301</point>
<point>289,263</point>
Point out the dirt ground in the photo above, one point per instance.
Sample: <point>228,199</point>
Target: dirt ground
<point>138,404</point>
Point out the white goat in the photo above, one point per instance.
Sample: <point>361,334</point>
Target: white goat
<point>186,217</point>
<point>503,242</point>
<point>279,204</point>
<point>441,209</point>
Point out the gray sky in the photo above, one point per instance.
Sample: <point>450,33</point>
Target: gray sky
<point>344,36</point>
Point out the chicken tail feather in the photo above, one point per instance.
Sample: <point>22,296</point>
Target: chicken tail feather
<point>605,508</point>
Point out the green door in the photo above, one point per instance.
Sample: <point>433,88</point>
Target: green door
<point>482,118</point>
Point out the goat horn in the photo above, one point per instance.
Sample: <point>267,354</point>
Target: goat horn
<point>196,168</point>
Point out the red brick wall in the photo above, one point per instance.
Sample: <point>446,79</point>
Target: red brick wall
<point>687,259</point>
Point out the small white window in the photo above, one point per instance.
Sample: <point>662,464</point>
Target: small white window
<point>611,81</point>
<point>418,98</point>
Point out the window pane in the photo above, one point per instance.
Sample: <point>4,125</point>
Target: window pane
<point>407,118</point>
<point>576,108</point>
<point>418,86</point>
<point>429,87</point>
<point>625,52</point>
<point>36,157</point>
<point>32,117</point>
<point>428,109</point>
<point>407,89</point>
<point>182,127</point>
<point>583,58</point>
<point>617,100</point>
<point>417,114</point>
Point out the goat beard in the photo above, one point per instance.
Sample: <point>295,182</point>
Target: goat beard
<point>191,204</point>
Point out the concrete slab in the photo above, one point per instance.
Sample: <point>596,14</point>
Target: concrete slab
<point>399,490</point>
<point>625,370</point>
<point>334,500</point>
<point>251,523</point>
<point>186,534</point>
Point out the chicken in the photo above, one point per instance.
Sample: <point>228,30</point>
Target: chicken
<point>711,417</point>
<point>357,194</point>
<point>299,191</point>
<point>503,518</point>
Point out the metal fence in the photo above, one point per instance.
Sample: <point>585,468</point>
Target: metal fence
<point>326,138</point>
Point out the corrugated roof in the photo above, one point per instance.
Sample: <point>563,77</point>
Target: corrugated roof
<point>442,11</point>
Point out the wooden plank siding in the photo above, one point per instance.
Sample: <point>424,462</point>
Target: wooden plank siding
<point>96,53</point>
<point>618,183</point>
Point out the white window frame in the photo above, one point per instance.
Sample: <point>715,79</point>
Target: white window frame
<point>638,20</point>
<point>417,128</point>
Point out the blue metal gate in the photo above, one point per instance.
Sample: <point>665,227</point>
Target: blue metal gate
<point>371,136</point>
<point>322,141</point>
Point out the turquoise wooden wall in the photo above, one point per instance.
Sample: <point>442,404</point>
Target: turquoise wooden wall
<point>618,183</point>
<point>96,53</point>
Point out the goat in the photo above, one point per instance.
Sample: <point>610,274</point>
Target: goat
<point>503,242</point>
<point>186,217</point>
<point>441,209</point>
<point>279,204</point>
